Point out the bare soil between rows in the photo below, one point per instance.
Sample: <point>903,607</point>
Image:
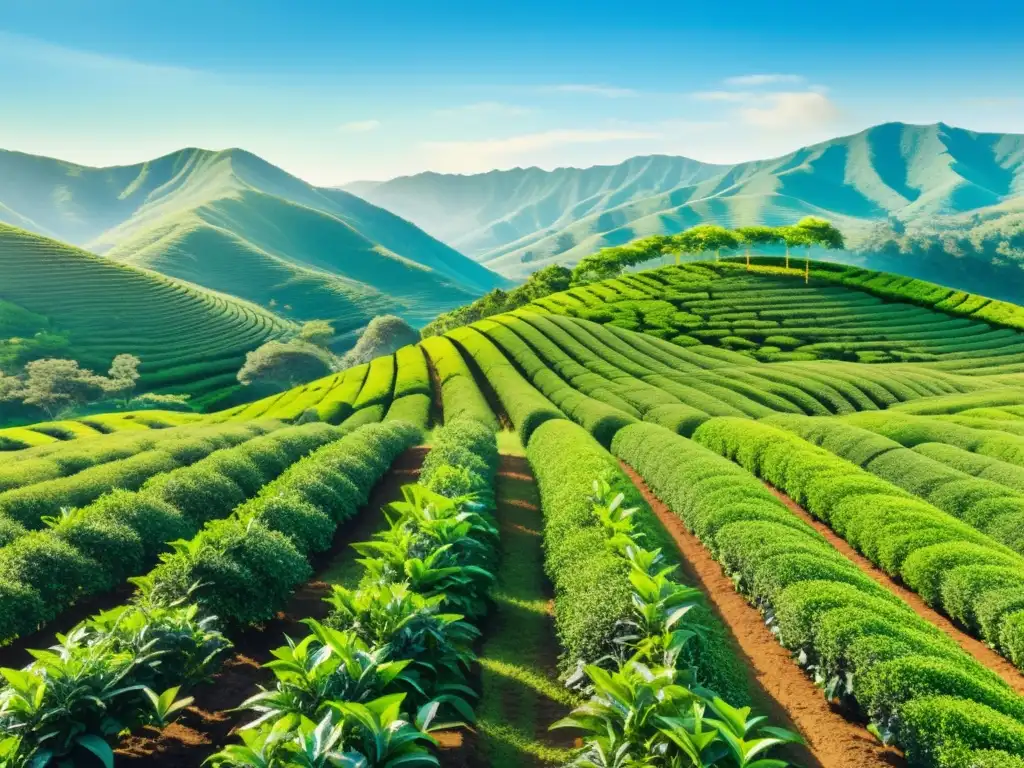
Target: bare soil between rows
<point>208,724</point>
<point>976,648</point>
<point>784,692</point>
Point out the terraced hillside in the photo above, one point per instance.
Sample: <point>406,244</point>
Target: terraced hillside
<point>189,339</point>
<point>234,223</point>
<point>696,489</point>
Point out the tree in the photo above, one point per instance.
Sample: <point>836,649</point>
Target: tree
<point>707,237</point>
<point>793,237</point>
<point>123,376</point>
<point>11,388</point>
<point>755,236</point>
<point>55,385</point>
<point>281,365</point>
<point>318,332</point>
<point>818,232</point>
<point>385,334</point>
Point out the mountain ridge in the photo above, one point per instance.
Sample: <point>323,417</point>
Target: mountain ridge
<point>232,222</point>
<point>910,176</point>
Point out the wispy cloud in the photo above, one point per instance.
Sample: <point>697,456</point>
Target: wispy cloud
<point>791,109</point>
<point>484,109</point>
<point>35,52</point>
<point>606,91</point>
<point>359,126</point>
<point>753,81</point>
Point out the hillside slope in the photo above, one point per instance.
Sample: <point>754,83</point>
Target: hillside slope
<point>931,176</point>
<point>235,223</point>
<point>188,338</point>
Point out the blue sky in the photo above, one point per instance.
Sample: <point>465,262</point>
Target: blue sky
<point>335,91</point>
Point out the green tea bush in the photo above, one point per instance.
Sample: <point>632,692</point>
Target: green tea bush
<point>412,409</point>
<point>904,536</point>
<point>859,638</point>
<point>460,395</point>
<point>249,564</point>
<point>380,381</point>
<point>591,582</point>
<point>525,406</point>
<point>337,404</point>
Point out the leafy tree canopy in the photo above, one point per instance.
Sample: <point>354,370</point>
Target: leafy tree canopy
<point>280,365</point>
<point>385,334</point>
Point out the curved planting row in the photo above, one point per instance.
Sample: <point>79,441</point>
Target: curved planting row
<point>243,567</point>
<point>949,563</point>
<point>45,572</point>
<point>863,644</point>
<point>395,651</point>
<point>525,406</point>
<point>63,459</point>
<point>460,395</point>
<point>994,509</point>
<point>34,438</point>
<point>627,626</point>
<point>28,507</point>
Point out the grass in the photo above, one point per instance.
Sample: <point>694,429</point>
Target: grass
<point>521,694</point>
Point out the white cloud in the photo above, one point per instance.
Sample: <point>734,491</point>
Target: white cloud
<point>484,109</point>
<point>748,81</point>
<point>790,110</point>
<point>360,126</point>
<point>607,91</point>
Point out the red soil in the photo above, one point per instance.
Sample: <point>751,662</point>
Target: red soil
<point>974,647</point>
<point>789,697</point>
<point>207,725</point>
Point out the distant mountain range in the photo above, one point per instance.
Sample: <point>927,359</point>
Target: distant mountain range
<point>236,224</point>
<point>895,189</point>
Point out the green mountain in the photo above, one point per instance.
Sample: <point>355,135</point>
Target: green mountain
<point>188,338</point>
<point>234,223</point>
<point>896,189</point>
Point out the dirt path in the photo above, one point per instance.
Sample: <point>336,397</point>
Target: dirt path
<point>974,647</point>
<point>788,694</point>
<point>207,726</point>
<point>520,692</point>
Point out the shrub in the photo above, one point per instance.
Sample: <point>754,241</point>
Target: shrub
<point>460,394</point>
<point>57,571</point>
<point>198,492</point>
<point>592,590</point>
<point>525,406</point>
<point>682,419</point>
<point>934,724</point>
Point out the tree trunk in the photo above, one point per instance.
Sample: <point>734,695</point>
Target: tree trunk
<point>748,258</point>
<point>718,254</point>
<point>677,258</point>
<point>787,255</point>
<point>807,268</point>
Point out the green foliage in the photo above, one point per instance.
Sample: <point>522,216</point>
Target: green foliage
<point>281,365</point>
<point>541,283</point>
<point>460,394</point>
<point>525,406</point>
<point>385,335</point>
<point>855,637</point>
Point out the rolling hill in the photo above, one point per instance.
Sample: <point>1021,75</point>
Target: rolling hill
<point>884,186</point>
<point>771,479</point>
<point>189,339</point>
<point>234,223</point>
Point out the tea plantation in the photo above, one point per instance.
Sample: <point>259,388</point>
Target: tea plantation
<point>710,514</point>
